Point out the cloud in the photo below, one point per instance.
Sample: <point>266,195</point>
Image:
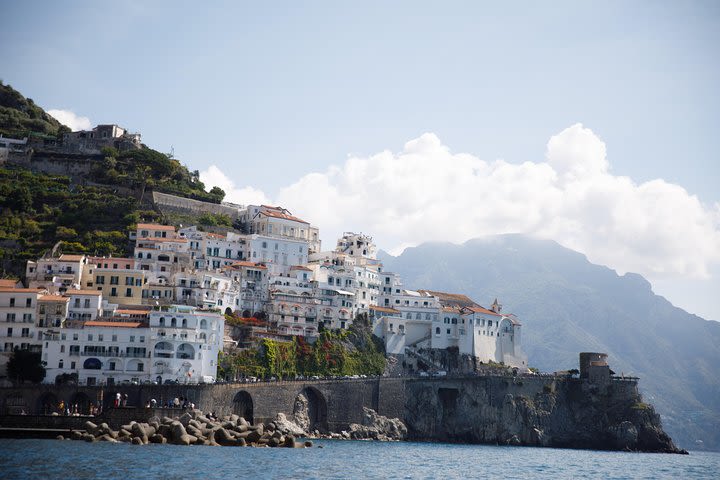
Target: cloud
<point>214,177</point>
<point>428,193</point>
<point>70,119</point>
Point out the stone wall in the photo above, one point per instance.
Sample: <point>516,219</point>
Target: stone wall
<point>166,202</point>
<point>523,410</point>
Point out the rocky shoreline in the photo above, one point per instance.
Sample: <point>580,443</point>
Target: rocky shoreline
<point>197,428</point>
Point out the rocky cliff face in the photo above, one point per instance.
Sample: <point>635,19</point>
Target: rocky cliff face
<point>535,412</point>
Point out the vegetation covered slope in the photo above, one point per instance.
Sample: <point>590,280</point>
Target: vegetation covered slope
<point>20,117</point>
<point>347,352</point>
<point>568,305</point>
<point>38,210</point>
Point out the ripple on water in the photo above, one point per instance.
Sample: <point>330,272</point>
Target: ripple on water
<point>50,459</point>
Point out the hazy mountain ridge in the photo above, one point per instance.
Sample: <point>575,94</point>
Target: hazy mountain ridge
<point>569,305</point>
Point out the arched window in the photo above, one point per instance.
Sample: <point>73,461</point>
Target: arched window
<point>437,330</point>
<point>162,321</point>
<point>184,322</point>
<point>173,322</point>
<point>203,324</point>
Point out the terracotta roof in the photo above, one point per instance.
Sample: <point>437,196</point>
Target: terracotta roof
<point>8,282</point>
<point>83,292</point>
<point>244,263</point>
<point>300,267</point>
<point>378,308</point>
<point>451,309</point>
<point>71,258</point>
<point>113,324</point>
<point>215,235</point>
<point>284,216</point>
<point>451,299</point>
<point>483,310</point>
<point>54,298</point>
<point>132,312</point>
<point>160,239</point>
<point>21,290</point>
<point>155,226</point>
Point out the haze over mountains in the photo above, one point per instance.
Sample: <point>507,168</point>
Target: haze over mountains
<point>568,305</point>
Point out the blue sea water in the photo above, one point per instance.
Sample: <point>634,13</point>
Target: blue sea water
<point>50,459</point>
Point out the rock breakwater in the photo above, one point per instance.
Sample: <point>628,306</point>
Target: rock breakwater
<point>194,428</point>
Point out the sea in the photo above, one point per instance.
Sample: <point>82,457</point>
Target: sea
<point>337,459</point>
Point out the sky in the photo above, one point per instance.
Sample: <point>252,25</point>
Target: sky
<point>593,124</point>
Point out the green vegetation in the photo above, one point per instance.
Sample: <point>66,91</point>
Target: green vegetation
<point>148,168</point>
<point>26,366</point>
<point>20,117</point>
<point>40,209</point>
<point>348,352</point>
<point>215,220</point>
<point>641,406</point>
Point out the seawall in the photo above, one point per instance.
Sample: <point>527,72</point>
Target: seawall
<point>523,410</point>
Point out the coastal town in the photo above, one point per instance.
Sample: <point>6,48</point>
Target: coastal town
<point>159,315</point>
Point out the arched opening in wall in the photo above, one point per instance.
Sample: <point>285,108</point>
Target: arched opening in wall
<point>92,364</point>
<point>246,314</point>
<point>185,351</point>
<point>316,409</point>
<point>82,402</point>
<point>243,405</point>
<point>47,403</point>
<point>228,311</point>
<point>15,404</point>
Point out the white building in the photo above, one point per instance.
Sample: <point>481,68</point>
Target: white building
<point>18,316</point>
<point>174,344</point>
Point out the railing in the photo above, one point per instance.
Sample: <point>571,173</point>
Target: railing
<point>110,354</point>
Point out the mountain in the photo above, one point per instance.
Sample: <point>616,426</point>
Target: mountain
<point>568,305</point>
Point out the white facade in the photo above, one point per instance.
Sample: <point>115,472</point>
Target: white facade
<point>176,344</point>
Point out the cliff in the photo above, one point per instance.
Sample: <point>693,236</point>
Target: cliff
<point>563,413</point>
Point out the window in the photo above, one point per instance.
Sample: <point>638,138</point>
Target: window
<point>437,330</point>
<point>448,331</point>
<point>100,279</point>
<point>28,302</point>
<point>60,364</point>
<point>132,338</point>
<point>25,332</point>
<point>141,367</point>
<point>12,302</point>
<point>114,280</point>
<point>114,338</point>
<point>113,292</point>
<point>142,338</point>
<point>72,365</point>
<point>75,336</point>
<point>128,292</point>
<point>90,337</point>
<point>100,337</point>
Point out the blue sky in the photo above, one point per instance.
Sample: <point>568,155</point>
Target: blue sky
<point>268,93</point>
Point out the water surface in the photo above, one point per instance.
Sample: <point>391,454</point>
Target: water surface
<point>40,459</point>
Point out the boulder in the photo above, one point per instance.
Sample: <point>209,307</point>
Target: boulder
<point>137,441</point>
<point>157,438</point>
<point>185,419</point>
<point>223,437</point>
<point>90,427</point>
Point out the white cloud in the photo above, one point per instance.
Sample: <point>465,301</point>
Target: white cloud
<point>427,193</point>
<point>70,119</point>
<point>214,177</point>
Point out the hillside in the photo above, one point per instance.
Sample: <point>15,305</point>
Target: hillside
<point>20,117</point>
<point>569,305</point>
<point>90,214</point>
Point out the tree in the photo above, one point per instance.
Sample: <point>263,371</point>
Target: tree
<point>218,193</point>
<point>26,366</point>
